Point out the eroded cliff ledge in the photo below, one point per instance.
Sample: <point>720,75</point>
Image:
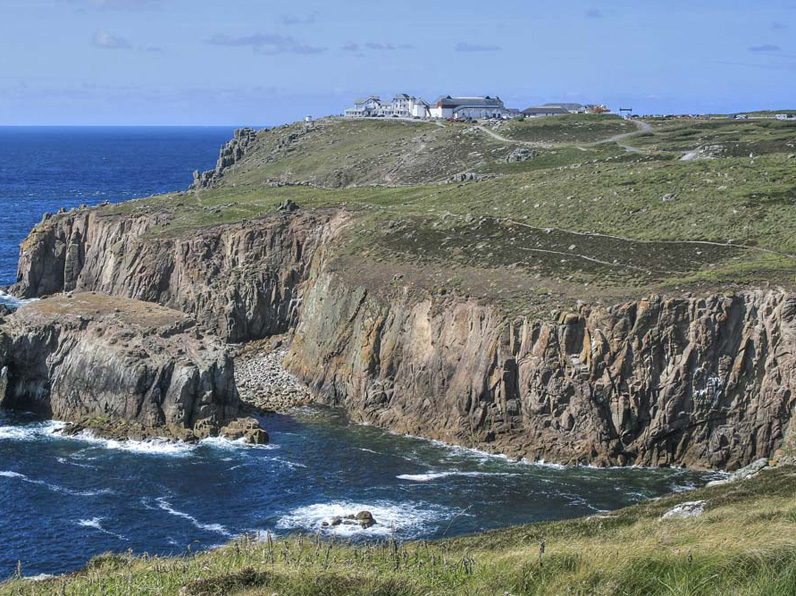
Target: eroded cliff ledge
<point>118,366</point>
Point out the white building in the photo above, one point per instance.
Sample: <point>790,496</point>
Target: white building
<point>469,107</point>
<point>365,107</point>
<point>401,106</point>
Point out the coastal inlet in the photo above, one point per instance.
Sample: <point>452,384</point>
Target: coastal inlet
<point>66,499</point>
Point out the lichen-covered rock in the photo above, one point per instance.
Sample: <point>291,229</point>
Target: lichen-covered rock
<point>685,510</point>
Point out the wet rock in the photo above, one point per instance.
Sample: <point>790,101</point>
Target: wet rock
<point>363,519</point>
<point>366,519</point>
<point>247,429</point>
<point>745,473</point>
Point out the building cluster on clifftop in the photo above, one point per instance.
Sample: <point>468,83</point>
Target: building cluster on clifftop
<point>448,107</point>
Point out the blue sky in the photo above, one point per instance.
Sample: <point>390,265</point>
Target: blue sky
<point>235,62</point>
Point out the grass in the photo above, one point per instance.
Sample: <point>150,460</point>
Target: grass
<point>546,225</point>
<point>744,544</point>
<point>572,128</point>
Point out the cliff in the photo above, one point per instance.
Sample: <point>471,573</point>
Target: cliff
<point>704,382</point>
<point>587,305</point>
<point>87,357</point>
<point>241,281</point>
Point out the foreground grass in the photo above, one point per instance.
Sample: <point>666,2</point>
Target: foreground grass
<point>744,543</point>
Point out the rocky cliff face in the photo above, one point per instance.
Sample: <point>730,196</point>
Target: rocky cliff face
<point>705,382</point>
<point>231,153</point>
<point>85,355</point>
<point>701,382</point>
<point>241,281</point>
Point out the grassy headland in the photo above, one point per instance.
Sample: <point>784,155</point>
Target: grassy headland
<point>536,233</point>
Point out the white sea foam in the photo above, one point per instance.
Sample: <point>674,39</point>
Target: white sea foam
<point>217,528</point>
<point>408,519</point>
<point>13,301</point>
<point>54,487</point>
<point>290,464</point>
<point>222,443</point>
<point>428,476</point>
<point>151,447</point>
<point>96,524</point>
<point>31,432</point>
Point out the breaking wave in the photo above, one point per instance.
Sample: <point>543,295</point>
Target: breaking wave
<point>406,520</point>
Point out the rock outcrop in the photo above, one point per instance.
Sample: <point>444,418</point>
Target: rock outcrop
<point>119,366</point>
<point>241,281</point>
<point>705,382</point>
<point>231,153</point>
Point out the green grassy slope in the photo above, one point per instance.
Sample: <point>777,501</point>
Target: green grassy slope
<point>743,544</point>
<point>621,223</point>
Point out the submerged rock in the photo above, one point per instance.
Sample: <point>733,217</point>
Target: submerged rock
<point>363,519</point>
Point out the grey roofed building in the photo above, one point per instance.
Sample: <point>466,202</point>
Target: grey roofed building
<point>571,107</point>
<point>545,111</point>
<point>486,101</point>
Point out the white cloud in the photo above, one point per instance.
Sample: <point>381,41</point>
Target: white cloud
<point>103,39</point>
<point>266,43</point>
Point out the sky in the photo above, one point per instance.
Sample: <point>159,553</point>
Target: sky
<point>258,62</point>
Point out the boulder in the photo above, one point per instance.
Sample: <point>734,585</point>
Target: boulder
<point>287,206</point>
<point>363,518</point>
<point>685,510</point>
<point>366,519</point>
<point>520,155</point>
<point>247,429</point>
<point>745,473</point>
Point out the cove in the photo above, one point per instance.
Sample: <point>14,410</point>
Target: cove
<point>64,500</point>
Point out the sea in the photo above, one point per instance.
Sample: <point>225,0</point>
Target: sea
<point>65,500</point>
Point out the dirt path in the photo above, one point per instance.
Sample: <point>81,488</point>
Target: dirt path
<point>625,239</point>
<point>503,139</point>
<point>640,125</point>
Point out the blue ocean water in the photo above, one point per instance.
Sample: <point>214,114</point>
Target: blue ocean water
<point>45,168</point>
<point>64,500</point>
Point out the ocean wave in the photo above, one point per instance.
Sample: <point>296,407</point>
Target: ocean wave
<point>222,443</point>
<point>96,524</point>
<point>428,476</point>
<point>161,447</point>
<point>405,519</point>
<point>13,301</point>
<point>31,432</point>
<point>54,487</point>
<point>216,528</point>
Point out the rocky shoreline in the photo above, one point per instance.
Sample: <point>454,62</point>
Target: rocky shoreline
<point>122,368</point>
<point>262,381</point>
